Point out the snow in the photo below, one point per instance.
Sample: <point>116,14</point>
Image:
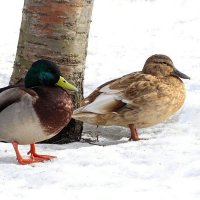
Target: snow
<point>124,33</point>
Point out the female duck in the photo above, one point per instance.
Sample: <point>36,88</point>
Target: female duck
<point>137,100</point>
<point>37,111</point>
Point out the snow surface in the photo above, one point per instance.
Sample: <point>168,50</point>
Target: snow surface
<point>124,33</point>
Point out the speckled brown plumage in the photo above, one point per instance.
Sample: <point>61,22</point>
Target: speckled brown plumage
<point>141,99</point>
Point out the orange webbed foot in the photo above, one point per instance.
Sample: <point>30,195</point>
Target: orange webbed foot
<point>38,157</point>
<point>34,157</point>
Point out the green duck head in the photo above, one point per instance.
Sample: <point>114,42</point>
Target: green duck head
<point>46,73</point>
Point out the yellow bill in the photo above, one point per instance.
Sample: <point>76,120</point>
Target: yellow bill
<point>66,85</point>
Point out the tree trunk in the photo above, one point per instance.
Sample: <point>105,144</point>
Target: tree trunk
<point>56,30</point>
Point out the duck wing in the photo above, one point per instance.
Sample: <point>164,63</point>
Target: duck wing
<point>10,86</point>
<point>128,92</point>
<point>13,94</point>
<point>111,87</point>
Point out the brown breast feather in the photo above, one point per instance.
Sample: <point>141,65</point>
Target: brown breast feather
<point>54,108</point>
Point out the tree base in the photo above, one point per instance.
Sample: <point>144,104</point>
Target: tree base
<point>71,133</point>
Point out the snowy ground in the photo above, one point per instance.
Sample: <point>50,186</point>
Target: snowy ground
<point>167,166</point>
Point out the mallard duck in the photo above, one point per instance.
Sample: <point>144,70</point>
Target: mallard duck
<point>137,100</point>
<point>36,111</point>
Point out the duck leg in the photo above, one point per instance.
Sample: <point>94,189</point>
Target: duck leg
<point>97,133</point>
<point>36,156</point>
<point>33,158</point>
<point>20,159</point>
<point>134,133</point>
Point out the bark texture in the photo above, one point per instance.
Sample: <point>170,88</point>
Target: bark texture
<point>56,30</point>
